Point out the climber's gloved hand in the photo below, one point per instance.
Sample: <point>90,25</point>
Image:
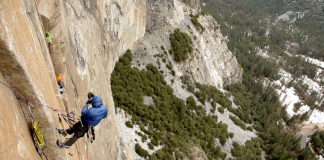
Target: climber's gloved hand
<point>90,95</point>
<point>89,102</point>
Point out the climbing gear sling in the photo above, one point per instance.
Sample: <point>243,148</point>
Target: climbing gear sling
<point>37,133</point>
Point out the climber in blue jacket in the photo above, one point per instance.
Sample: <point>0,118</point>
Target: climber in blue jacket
<point>89,118</point>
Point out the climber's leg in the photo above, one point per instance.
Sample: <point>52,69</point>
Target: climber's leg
<point>74,128</point>
<point>72,140</point>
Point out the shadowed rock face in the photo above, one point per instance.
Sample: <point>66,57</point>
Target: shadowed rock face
<point>88,38</point>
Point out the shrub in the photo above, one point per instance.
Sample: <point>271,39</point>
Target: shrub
<point>129,124</point>
<point>181,45</point>
<point>154,142</point>
<point>317,139</point>
<point>249,128</point>
<point>231,134</point>
<point>140,151</point>
<point>220,109</point>
<point>144,138</point>
<point>151,146</point>
<point>169,66</point>
<point>170,122</point>
<point>195,21</point>
<point>173,72</point>
<point>251,149</point>
<point>238,122</point>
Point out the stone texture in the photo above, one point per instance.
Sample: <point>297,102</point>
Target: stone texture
<point>210,62</point>
<point>15,136</point>
<point>168,12</point>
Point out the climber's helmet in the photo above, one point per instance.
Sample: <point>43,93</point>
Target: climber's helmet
<point>59,77</point>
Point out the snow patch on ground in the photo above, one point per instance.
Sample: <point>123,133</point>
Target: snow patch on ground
<point>316,117</point>
<point>289,97</point>
<point>315,61</point>
<point>312,86</point>
<point>289,17</point>
<point>318,63</point>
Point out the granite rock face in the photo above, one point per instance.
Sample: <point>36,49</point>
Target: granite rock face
<point>210,62</point>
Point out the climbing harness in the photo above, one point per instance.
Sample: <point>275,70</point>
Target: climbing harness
<point>81,121</point>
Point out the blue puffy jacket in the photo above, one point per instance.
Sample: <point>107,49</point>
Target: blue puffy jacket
<point>94,115</point>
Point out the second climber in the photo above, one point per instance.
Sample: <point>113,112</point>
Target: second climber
<point>60,83</point>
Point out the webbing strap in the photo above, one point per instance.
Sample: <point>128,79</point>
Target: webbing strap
<point>69,121</point>
<point>81,121</point>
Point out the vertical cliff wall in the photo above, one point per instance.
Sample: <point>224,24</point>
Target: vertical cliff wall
<point>210,62</point>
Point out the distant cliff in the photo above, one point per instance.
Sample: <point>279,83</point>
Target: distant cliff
<point>88,38</point>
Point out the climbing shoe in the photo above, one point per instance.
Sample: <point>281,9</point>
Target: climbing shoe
<point>62,132</point>
<point>61,144</point>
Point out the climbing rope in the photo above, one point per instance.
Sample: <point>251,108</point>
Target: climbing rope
<point>38,137</point>
<point>70,120</point>
<point>20,96</point>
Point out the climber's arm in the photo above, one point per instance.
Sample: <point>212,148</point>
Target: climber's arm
<point>84,111</point>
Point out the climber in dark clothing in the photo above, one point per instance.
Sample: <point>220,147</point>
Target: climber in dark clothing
<point>89,118</point>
